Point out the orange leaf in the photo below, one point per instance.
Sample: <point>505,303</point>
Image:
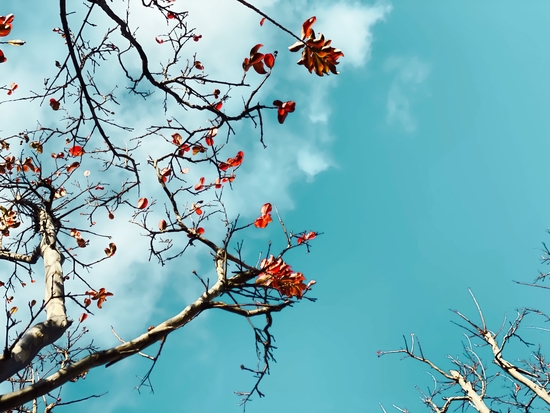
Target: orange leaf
<point>162,225</point>
<point>76,151</point>
<point>198,148</point>
<point>307,31</point>
<point>262,221</point>
<point>193,232</point>
<point>142,203</point>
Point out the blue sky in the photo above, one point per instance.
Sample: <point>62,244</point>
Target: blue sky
<point>424,164</point>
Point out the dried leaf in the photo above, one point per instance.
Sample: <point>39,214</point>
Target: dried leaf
<point>142,203</point>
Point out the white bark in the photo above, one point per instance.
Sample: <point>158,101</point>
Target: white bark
<point>514,371</point>
<point>49,331</point>
<point>475,399</point>
<point>112,355</point>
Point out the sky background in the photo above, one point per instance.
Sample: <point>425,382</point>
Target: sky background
<point>424,165</point>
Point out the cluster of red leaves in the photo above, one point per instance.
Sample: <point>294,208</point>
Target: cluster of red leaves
<point>99,296</point>
<point>283,109</point>
<point>209,137</point>
<point>232,162</point>
<point>5,29</point>
<point>306,236</point>
<point>165,174</point>
<point>184,147</point>
<point>10,162</point>
<point>82,243</point>
<point>277,274</point>
<point>317,55</point>
<point>265,217</point>
<point>8,219</point>
<point>257,60</point>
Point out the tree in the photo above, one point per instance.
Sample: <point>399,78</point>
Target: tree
<point>494,374</point>
<point>81,166</point>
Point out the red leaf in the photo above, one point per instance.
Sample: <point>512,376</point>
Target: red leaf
<point>5,26</point>
<point>210,136</point>
<point>142,203</point>
<point>259,68</point>
<point>2,57</point>
<point>269,60</point>
<point>266,209</point>
<point>265,218</point>
<point>262,21</point>
<point>159,41</point>
<point>83,316</point>
<point>284,109</point>
<point>76,151</point>
<point>197,37</point>
<point>261,222</point>
<point>193,232</point>
<point>200,185</point>
<point>72,167</point>
<point>219,105</point>
<point>55,105</point>
<point>306,237</point>
<point>177,139</point>
<point>255,49</point>
<point>111,215</point>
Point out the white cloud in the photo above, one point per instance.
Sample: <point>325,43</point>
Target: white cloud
<point>350,26</point>
<point>410,73</point>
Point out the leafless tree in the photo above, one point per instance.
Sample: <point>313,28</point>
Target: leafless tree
<point>500,370</point>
